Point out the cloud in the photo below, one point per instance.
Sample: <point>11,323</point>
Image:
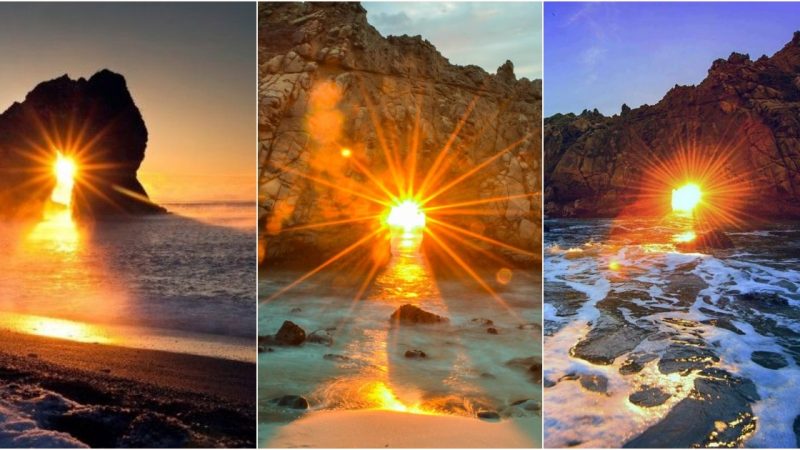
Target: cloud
<point>391,21</point>
<point>592,55</point>
<point>481,34</point>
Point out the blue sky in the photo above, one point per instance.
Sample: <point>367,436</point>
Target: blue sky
<point>483,34</point>
<point>601,55</point>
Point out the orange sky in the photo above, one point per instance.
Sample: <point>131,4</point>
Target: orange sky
<point>190,67</point>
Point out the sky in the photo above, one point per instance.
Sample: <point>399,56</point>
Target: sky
<point>601,55</point>
<point>481,34</point>
<point>190,67</point>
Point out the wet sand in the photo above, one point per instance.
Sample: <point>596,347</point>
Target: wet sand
<point>104,396</point>
<point>389,429</point>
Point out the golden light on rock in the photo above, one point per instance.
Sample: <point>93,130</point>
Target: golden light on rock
<point>686,198</point>
<point>65,170</point>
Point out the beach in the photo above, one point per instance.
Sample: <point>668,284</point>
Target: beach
<point>57,392</point>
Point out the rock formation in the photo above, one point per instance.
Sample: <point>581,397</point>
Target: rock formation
<point>329,81</point>
<point>97,123</point>
<point>745,114</point>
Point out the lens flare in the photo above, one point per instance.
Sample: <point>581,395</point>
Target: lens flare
<point>407,215</point>
<point>64,170</point>
<point>686,198</point>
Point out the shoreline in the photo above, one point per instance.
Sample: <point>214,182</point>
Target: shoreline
<point>383,429</point>
<point>186,399</point>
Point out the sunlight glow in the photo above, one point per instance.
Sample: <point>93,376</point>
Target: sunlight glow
<point>381,395</point>
<point>346,153</point>
<point>407,215</point>
<point>687,236</point>
<point>54,328</point>
<point>65,170</point>
<point>686,198</point>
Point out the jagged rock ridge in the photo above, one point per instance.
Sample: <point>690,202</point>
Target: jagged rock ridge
<point>329,80</point>
<point>750,110</point>
<point>97,122</point>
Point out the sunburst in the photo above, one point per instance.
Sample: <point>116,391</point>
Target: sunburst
<point>402,201</point>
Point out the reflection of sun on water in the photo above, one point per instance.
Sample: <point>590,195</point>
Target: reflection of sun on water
<point>57,231</point>
<point>385,399</point>
<point>54,328</point>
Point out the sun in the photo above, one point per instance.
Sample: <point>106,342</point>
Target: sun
<point>407,215</point>
<point>65,170</point>
<point>686,198</point>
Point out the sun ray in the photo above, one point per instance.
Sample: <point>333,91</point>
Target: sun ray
<point>325,264</point>
<point>479,202</point>
<point>363,169</point>
<point>389,154</point>
<point>432,174</point>
<point>332,185</point>
<point>330,223</point>
<point>466,267</point>
<point>482,238</point>
<point>474,170</point>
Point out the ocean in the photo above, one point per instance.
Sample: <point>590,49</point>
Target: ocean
<point>646,345</point>
<point>181,282</point>
<point>465,369</point>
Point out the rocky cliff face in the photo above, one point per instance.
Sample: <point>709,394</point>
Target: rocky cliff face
<point>329,80</point>
<point>745,116</point>
<point>96,122</point>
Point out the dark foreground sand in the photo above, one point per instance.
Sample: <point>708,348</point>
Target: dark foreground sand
<point>108,396</point>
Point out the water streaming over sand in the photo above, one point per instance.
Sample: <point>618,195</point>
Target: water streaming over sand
<point>466,368</point>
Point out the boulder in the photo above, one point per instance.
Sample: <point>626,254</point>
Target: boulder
<point>415,354</point>
<point>290,334</point>
<point>291,401</point>
<point>323,337</point>
<point>410,314</point>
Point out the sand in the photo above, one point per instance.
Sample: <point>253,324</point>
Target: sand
<point>380,429</point>
<point>213,400</point>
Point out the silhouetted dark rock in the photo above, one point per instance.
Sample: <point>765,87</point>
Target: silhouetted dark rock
<point>291,401</point>
<point>320,337</point>
<point>649,397</point>
<point>717,397</point>
<point>290,334</point>
<point>94,121</point>
<point>415,354</point>
<point>492,330</point>
<point>770,360</point>
<point>531,364</point>
<point>488,415</point>
<point>410,314</point>
<point>796,429</point>
<point>594,383</point>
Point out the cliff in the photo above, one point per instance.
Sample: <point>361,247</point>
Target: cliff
<point>94,121</point>
<point>742,123</point>
<point>329,80</point>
